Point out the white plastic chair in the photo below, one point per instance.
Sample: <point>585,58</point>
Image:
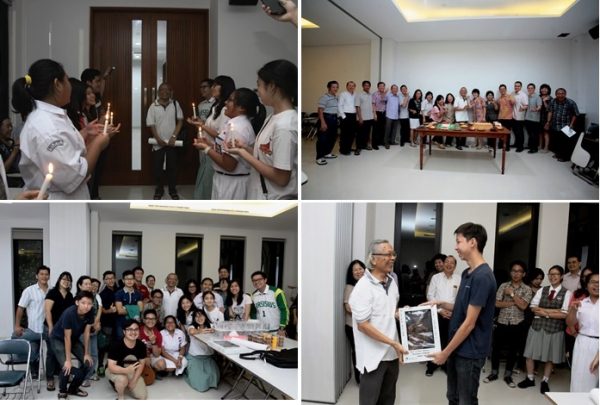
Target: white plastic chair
<point>580,156</point>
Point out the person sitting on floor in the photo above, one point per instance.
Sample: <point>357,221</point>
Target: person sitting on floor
<point>202,371</point>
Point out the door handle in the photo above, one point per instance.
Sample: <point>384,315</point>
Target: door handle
<point>153,94</point>
<point>145,96</point>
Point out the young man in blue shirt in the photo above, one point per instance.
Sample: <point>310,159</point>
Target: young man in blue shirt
<point>471,325</point>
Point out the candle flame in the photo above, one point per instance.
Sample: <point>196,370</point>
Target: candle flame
<point>50,168</point>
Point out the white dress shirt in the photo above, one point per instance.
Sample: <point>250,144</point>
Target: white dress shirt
<point>32,300</point>
<point>571,282</point>
<point>538,296</point>
<point>587,316</point>
<point>170,300</point>
<point>443,288</point>
<point>346,104</point>
<point>370,302</point>
<point>462,115</point>
<point>521,101</point>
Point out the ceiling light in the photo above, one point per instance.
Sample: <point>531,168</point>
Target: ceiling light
<point>308,24</point>
<point>265,209</point>
<point>437,10</point>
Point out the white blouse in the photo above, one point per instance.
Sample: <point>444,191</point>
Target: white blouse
<point>173,343</point>
<point>587,316</point>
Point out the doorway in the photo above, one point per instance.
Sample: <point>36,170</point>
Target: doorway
<point>148,47</point>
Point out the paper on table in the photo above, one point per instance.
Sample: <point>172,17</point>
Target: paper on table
<point>152,141</point>
<point>568,131</point>
<point>249,345</point>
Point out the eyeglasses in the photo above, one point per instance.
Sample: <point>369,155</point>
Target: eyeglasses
<point>132,329</point>
<point>393,255</point>
<point>254,280</point>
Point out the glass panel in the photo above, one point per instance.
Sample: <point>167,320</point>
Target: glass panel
<point>127,252</point>
<point>136,95</point>
<point>417,241</point>
<point>272,260</point>
<point>161,52</point>
<point>232,256</point>
<point>27,256</point>
<point>516,237</point>
<point>188,260</point>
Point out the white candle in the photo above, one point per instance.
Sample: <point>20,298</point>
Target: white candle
<point>46,183</point>
<point>231,136</point>
<point>194,110</point>
<point>105,124</point>
<point>111,118</point>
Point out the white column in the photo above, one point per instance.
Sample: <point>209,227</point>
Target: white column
<point>375,62</point>
<point>553,229</point>
<point>94,246</point>
<point>69,239</point>
<point>388,62</point>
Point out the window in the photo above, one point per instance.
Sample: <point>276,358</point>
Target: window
<point>272,260</point>
<point>127,251</point>
<point>582,237</point>
<point>516,237</point>
<point>188,259</point>
<point>417,240</point>
<point>232,256</point>
<point>27,257</point>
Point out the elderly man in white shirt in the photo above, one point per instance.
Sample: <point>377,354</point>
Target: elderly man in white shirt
<point>519,110</point>
<point>461,106</point>
<point>32,301</point>
<point>373,303</point>
<point>347,111</point>
<point>171,294</point>
<point>443,287</point>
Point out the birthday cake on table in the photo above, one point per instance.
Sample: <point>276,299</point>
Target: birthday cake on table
<point>482,126</point>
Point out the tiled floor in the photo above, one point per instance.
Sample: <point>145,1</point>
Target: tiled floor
<point>413,388</point>
<point>447,175</point>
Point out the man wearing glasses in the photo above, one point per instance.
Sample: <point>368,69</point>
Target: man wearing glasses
<point>126,361</point>
<point>373,301</point>
<point>270,305</point>
<point>512,298</point>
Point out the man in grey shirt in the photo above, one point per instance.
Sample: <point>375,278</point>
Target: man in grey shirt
<point>532,118</point>
<point>327,110</point>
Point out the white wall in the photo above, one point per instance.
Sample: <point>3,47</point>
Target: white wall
<point>158,249</point>
<point>553,228</point>
<point>242,38</point>
<point>585,72</point>
<point>320,64</point>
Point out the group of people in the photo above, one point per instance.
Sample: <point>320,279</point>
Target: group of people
<point>370,120</point>
<point>146,333</point>
<point>477,319</point>
<point>243,153</point>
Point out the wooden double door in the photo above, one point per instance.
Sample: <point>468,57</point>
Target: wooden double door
<point>148,47</point>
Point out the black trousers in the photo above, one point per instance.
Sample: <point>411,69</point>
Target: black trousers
<point>519,134</point>
<point>512,337</point>
<point>404,131</point>
<point>158,157</point>
<point>347,133</point>
<point>378,129</point>
<point>379,386</point>
<point>562,145</point>
<point>533,130</point>
<point>350,336</point>
<point>326,139</point>
<point>364,131</point>
<point>506,124</point>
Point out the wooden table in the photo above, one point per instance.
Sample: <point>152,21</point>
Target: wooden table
<point>424,132</point>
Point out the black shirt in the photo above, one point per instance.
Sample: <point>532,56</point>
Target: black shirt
<point>108,298</point>
<point>60,303</point>
<point>119,352</point>
<point>70,319</point>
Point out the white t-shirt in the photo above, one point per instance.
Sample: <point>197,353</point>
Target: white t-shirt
<point>521,101</point>
<point>239,128</point>
<point>461,115</point>
<point>238,310</point>
<point>170,301</point>
<point>162,118</point>
<point>277,146</point>
<point>172,344</point>
<point>199,302</point>
<point>198,347</point>
<point>32,300</point>
<point>50,137</point>
<point>4,180</point>
<point>215,315</point>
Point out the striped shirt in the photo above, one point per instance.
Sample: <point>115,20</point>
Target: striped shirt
<point>32,300</point>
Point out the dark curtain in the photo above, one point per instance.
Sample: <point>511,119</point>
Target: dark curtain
<point>3,59</point>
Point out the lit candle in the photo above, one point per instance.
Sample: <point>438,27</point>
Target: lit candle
<point>111,118</point>
<point>194,110</point>
<point>46,183</point>
<point>106,124</point>
<point>231,135</point>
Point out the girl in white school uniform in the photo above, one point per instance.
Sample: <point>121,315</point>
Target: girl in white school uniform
<point>211,309</point>
<point>48,135</point>
<point>274,158</point>
<point>216,122</point>
<point>231,173</point>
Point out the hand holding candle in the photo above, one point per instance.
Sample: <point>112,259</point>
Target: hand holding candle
<point>231,135</point>
<point>111,118</point>
<point>46,183</point>
<point>194,111</point>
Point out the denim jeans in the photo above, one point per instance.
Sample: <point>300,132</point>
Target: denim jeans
<point>463,380</point>
<point>79,373</point>
<point>93,353</point>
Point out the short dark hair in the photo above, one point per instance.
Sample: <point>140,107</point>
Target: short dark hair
<point>587,278</point>
<point>575,255</point>
<point>531,84</point>
<point>428,93</point>
<point>547,87</point>
<point>256,273</point>
<point>108,272</point>
<point>533,274</point>
<point>95,280</point>
<point>440,256</point>
<point>557,267</point>
<point>149,311</point>
<point>487,93</point>
<point>127,273</point>
<point>473,231</point>
<point>42,267</point>
<point>518,263</point>
<point>84,294</point>
<point>129,322</point>
<point>349,277</point>
<point>403,86</point>
<point>475,91</point>
<point>502,85</point>
<point>206,278</point>
<point>331,83</point>
<point>157,291</point>
<point>136,268</point>
<point>380,83</point>
<point>148,276</point>
<point>366,82</point>
<point>518,81</point>
<point>89,74</point>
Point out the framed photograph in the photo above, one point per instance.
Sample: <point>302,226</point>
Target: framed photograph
<point>419,332</point>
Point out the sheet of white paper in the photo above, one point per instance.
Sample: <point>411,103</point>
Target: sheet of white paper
<point>568,131</point>
<point>152,141</point>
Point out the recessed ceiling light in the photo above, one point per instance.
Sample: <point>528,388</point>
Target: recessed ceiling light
<point>438,10</point>
<point>308,24</point>
<point>263,209</point>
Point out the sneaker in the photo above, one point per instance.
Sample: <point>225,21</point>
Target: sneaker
<point>375,148</point>
<point>441,146</point>
<point>532,151</point>
<point>544,387</point>
<point>509,381</point>
<point>526,383</point>
<point>330,156</point>
<point>459,148</point>
<point>370,148</point>
<point>321,162</point>
<point>413,145</point>
<point>490,378</point>
<point>357,152</point>
<point>86,384</point>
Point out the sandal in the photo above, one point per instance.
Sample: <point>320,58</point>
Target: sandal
<point>158,196</point>
<point>174,196</point>
<point>63,395</point>
<point>79,393</point>
<point>50,385</point>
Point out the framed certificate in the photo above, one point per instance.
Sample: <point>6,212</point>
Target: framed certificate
<point>419,332</point>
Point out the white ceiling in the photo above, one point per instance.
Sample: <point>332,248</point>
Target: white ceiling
<point>383,18</point>
<point>120,212</point>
